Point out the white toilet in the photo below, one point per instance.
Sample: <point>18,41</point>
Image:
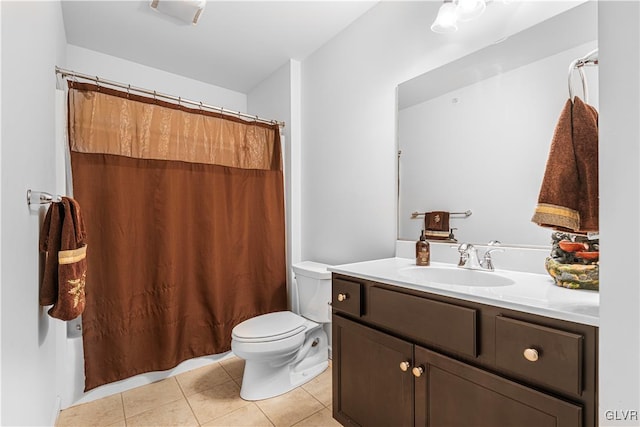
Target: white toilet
<point>283,350</point>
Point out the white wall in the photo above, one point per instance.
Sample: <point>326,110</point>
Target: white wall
<point>278,98</point>
<point>348,134</point>
<point>348,167</point>
<point>109,67</point>
<point>33,42</point>
<point>507,122</point>
<point>619,363</point>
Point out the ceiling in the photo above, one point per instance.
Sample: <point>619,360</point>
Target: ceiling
<point>235,45</point>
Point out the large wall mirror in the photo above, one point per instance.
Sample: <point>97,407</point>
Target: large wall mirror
<point>474,134</point>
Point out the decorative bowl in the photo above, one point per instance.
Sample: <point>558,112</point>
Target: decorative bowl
<point>574,276</point>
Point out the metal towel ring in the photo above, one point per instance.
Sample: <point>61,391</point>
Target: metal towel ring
<point>583,78</point>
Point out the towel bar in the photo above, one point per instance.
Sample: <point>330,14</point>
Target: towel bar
<point>464,214</point>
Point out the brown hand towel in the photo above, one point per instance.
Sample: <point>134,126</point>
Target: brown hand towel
<point>66,265</point>
<point>568,199</point>
<point>436,225</point>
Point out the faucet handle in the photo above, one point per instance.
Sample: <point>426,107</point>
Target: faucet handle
<point>493,246</point>
<point>487,261</point>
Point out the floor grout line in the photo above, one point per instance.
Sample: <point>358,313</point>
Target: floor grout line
<point>315,413</point>
<point>312,395</point>
<point>265,414</point>
<point>124,414</point>
<point>184,396</point>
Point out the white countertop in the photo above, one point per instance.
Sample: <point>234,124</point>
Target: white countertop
<point>531,293</point>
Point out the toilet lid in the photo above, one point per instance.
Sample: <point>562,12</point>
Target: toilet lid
<point>270,327</point>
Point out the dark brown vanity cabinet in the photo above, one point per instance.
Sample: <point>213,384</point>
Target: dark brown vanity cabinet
<point>405,358</point>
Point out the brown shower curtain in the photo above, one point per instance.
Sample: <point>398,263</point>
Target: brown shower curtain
<point>184,212</point>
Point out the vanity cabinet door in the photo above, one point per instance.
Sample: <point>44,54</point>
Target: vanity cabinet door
<point>449,393</point>
<point>369,386</point>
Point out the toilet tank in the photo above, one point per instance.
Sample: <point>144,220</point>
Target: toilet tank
<point>314,290</point>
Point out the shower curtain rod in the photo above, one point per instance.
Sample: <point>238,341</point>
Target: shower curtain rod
<point>98,80</point>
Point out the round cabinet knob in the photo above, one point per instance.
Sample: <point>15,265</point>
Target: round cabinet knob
<point>531,354</point>
<point>342,297</point>
<point>404,366</point>
<point>417,371</point>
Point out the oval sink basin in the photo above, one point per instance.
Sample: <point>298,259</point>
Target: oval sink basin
<point>455,276</point>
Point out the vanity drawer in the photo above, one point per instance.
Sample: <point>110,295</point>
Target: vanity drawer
<point>427,321</point>
<point>346,296</point>
<point>543,355</point>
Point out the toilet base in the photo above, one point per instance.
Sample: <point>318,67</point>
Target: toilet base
<point>264,379</point>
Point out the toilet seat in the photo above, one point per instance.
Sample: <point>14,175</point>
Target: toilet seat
<point>270,327</point>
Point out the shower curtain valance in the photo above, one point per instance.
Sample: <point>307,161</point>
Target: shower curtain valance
<point>107,121</point>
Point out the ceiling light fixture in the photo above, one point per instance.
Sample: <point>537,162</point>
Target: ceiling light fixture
<point>453,11</point>
<point>446,20</point>
<point>188,11</point>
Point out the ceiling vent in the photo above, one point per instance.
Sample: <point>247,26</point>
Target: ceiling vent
<point>188,11</point>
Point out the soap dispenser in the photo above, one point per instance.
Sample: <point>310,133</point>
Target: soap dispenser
<point>423,253</point>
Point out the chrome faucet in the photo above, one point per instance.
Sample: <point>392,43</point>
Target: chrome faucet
<point>469,256</point>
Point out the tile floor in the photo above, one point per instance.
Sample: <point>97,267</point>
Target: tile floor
<point>208,396</point>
